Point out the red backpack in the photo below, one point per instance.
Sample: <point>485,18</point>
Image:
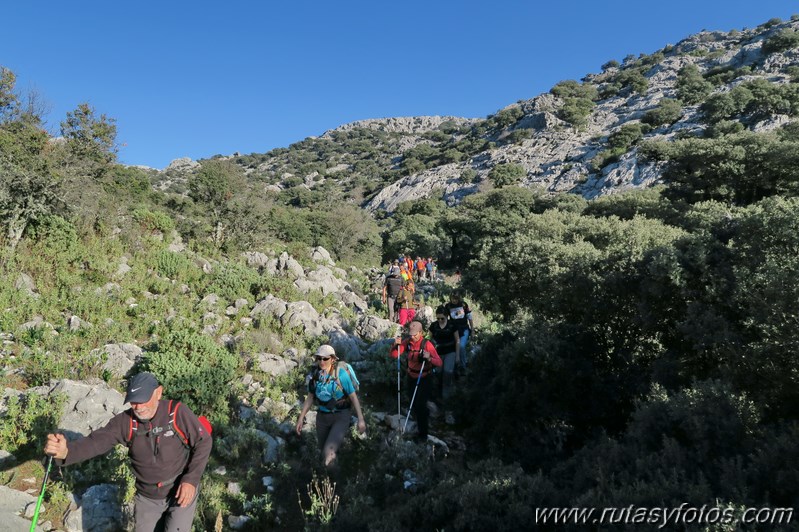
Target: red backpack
<point>133,426</point>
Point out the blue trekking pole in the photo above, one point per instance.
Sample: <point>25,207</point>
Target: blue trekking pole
<point>418,379</point>
<point>41,494</point>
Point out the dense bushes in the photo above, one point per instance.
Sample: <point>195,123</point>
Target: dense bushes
<point>691,86</point>
<point>741,168</point>
<point>193,367</point>
<point>781,41</point>
<point>578,101</point>
<point>668,111</point>
<point>634,339</point>
<point>505,174</point>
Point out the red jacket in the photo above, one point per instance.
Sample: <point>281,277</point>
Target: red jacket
<point>413,350</point>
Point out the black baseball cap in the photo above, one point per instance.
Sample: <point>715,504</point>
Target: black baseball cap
<point>141,387</point>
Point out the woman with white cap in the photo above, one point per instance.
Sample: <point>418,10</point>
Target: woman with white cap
<point>332,386</point>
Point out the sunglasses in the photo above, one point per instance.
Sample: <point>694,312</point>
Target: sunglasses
<point>323,358</point>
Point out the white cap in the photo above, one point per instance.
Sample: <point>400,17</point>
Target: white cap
<point>326,351</point>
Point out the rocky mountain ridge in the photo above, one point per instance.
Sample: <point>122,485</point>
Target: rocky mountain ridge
<point>554,153</point>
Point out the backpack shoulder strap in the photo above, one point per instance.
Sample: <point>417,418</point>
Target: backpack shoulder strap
<point>351,375</point>
<point>133,427</point>
<point>173,421</point>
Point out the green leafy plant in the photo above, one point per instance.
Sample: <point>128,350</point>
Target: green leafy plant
<point>28,418</point>
<point>194,369</point>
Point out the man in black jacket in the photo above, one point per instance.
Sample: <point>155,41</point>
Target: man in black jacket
<point>168,448</point>
<point>391,289</point>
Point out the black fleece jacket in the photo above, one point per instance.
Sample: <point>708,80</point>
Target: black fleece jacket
<point>159,459</point>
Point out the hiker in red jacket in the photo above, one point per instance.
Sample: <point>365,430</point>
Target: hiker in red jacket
<point>168,448</point>
<point>422,356</point>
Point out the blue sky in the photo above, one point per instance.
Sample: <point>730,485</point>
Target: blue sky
<point>194,79</point>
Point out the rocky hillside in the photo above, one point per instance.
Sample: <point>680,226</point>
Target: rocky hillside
<point>555,137</point>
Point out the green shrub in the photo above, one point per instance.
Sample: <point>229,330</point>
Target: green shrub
<point>781,41</point>
<point>58,236</point>
<point>633,78</point>
<point>505,174</point>
<point>175,265</point>
<point>194,369</point>
<point>27,420</point>
<point>578,101</point>
<point>619,142</point>
<point>573,89</point>
<point>233,280</point>
<point>153,221</point>
<point>469,175</point>
<point>668,111</point>
<point>691,86</point>
<point>576,111</point>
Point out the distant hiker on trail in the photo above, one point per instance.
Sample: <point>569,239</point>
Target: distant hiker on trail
<point>406,304</point>
<point>461,317</point>
<point>168,448</point>
<point>421,268</point>
<point>429,266</point>
<point>391,289</point>
<point>333,386</point>
<point>447,341</point>
<point>404,274</point>
<point>422,357</point>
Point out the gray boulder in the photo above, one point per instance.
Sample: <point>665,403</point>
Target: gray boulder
<point>288,265</point>
<point>347,347</point>
<point>12,504</point>
<point>89,406</point>
<point>301,314</point>
<point>210,301</point>
<point>327,282</point>
<point>98,511</point>
<point>321,255</point>
<point>122,269</point>
<point>121,358</point>
<point>108,290</point>
<point>274,445</point>
<point>426,315</point>
<point>24,283</point>
<point>256,259</point>
<point>74,324</point>
<point>37,323</point>
<point>237,522</point>
<point>352,300</point>
<point>273,364</point>
<point>182,164</point>
<point>6,458</point>
<point>372,328</point>
<point>269,306</point>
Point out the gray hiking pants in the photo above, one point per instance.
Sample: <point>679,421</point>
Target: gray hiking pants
<point>331,428</point>
<point>163,515</point>
<point>392,314</point>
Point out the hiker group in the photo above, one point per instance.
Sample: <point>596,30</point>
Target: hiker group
<point>169,445</point>
<point>399,288</point>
